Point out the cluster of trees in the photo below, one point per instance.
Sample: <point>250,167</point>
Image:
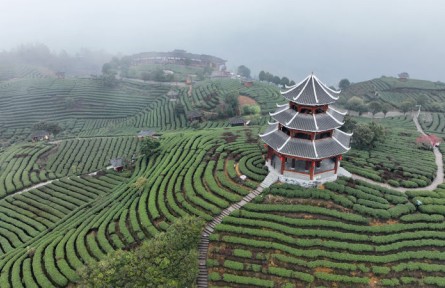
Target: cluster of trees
<point>243,71</point>
<point>269,77</point>
<point>149,146</point>
<point>84,62</point>
<point>365,135</point>
<point>230,106</point>
<point>357,104</point>
<point>157,75</point>
<point>343,84</point>
<point>170,259</point>
<point>52,128</point>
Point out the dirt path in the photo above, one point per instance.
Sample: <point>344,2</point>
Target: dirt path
<point>203,246</point>
<point>438,159</point>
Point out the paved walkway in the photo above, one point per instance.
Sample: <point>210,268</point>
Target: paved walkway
<point>203,246</point>
<point>438,159</point>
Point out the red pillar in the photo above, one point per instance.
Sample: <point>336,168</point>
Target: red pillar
<point>311,171</point>
<point>269,153</point>
<point>283,162</point>
<point>336,165</point>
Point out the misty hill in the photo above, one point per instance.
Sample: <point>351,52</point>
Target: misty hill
<point>394,91</point>
<point>37,60</point>
<point>89,107</point>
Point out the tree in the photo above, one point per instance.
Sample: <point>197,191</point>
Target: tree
<point>284,81</point>
<point>374,107</point>
<point>109,79</point>
<point>53,128</point>
<point>428,141</point>
<point>363,136</point>
<point>262,76</point>
<point>366,136</point>
<point>231,104</point>
<point>269,77</point>
<point>405,106</point>
<point>349,125</point>
<point>251,109</point>
<point>292,82</point>
<point>170,259</point>
<point>107,68</point>
<point>385,109</point>
<point>343,84</point>
<point>379,132</point>
<point>422,99</point>
<point>354,103</point>
<point>244,71</point>
<point>276,80</point>
<point>149,146</point>
<point>179,108</point>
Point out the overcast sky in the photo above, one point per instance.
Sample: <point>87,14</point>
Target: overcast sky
<point>337,39</point>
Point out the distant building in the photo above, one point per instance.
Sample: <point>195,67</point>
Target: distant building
<point>247,83</point>
<point>237,121</point>
<point>40,135</point>
<point>146,133</point>
<point>403,76</point>
<point>118,164</point>
<point>178,57</point>
<point>60,75</point>
<point>220,74</point>
<point>194,115</point>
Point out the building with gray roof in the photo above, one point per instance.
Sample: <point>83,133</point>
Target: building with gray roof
<point>304,143</point>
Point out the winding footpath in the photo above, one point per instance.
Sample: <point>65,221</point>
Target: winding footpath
<point>438,159</point>
<point>203,246</point>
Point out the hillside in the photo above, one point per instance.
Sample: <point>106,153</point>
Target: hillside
<point>349,233</point>
<point>394,92</point>
<point>86,107</point>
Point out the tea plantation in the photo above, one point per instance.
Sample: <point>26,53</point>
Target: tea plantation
<point>348,233</point>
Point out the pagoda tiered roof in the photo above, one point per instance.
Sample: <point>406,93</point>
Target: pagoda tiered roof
<point>304,148</point>
<point>318,122</point>
<point>311,91</point>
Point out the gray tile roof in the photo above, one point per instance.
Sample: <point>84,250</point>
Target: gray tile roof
<point>318,149</point>
<point>270,128</point>
<point>305,122</point>
<point>117,162</point>
<point>237,120</point>
<point>299,147</point>
<point>275,139</point>
<point>342,137</point>
<point>310,92</point>
<point>193,114</point>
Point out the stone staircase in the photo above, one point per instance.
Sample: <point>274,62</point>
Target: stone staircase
<point>203,245</point>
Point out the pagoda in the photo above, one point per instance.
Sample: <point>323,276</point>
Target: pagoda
<point>304,144</point>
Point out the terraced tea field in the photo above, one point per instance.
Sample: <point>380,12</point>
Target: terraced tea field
<point>392,161</point>
<point>351,234</point>
<point>77,220</point>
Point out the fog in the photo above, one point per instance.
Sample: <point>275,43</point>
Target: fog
<point>339,39</point>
